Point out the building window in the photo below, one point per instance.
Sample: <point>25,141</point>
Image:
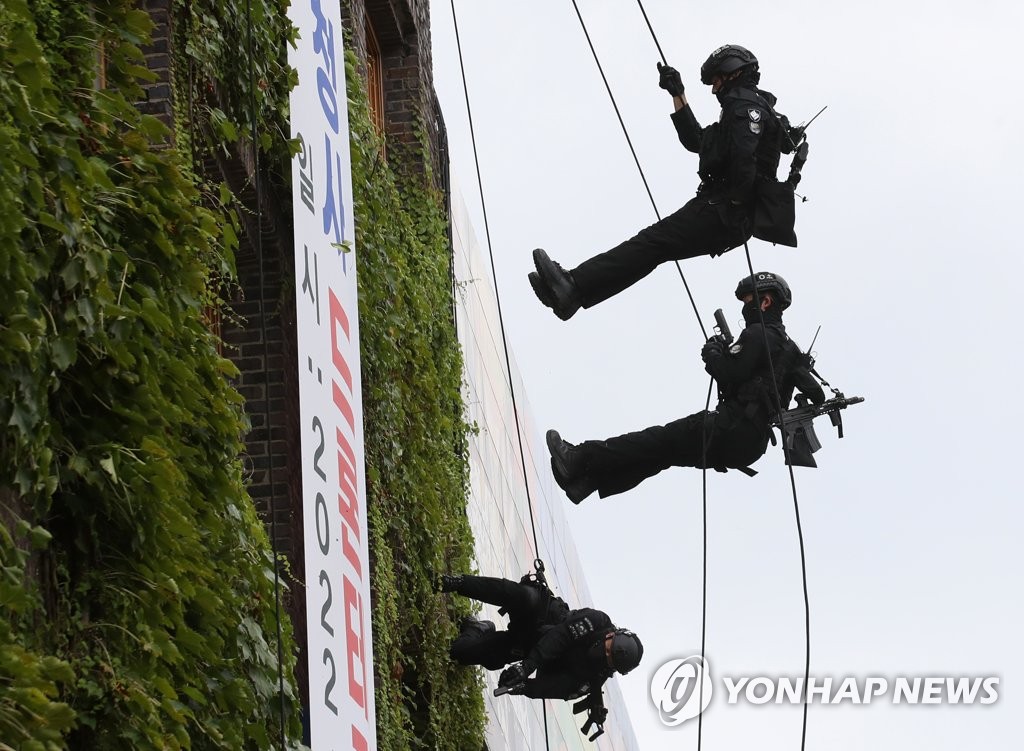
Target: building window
<point>374,78</point>
<point>212,319</point>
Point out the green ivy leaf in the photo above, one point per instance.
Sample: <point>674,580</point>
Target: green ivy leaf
<point>153,128</point>
<point>40,537</point>
<point>107,463</point>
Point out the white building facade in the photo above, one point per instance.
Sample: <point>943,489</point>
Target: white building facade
<point>499,511</point>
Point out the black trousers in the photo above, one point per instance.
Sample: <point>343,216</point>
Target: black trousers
<point>521,601</point>
<point>721,439</point>
<point>495,649</point>
<point>491,649</point>
<point>697,229</point>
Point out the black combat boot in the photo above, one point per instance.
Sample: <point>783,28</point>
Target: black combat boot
<point>471,623</point>
<point>562,296</point>
<point>568,465</point>
<point>541,290</point>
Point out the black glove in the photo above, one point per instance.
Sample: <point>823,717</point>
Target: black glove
<point>809,387</point>
<point>670,80</point>
<point>713,349</point>
<point>515,674</point>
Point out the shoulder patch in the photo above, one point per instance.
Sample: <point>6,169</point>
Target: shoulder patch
<point>755,127</point>
<point>754,115</point>
<point>580,628</point>
<point>735,349</point>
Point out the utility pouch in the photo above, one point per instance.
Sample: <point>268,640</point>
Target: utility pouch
<point>801,442</point>
<point>775,213</point>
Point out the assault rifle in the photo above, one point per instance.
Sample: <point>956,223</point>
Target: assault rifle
<point>797,426</point>
<point>594,717</point>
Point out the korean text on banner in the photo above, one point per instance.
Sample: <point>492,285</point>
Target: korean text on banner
<point>341,712</point>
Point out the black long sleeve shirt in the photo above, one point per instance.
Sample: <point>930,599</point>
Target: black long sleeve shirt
<point>744,143</point>
<point>567,666</point>
<point>746,360</point>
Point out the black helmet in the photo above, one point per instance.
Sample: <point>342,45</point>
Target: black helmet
<point>626,650</point>
<point>725,60</point>
<point>766,282</point>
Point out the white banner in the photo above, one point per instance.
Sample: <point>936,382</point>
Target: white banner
<point>341,713</point>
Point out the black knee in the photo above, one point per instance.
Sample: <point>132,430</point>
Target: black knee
<point>474,646</point>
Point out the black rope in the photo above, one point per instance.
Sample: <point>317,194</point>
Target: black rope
<point>664,61</point>
<point>796,504</point>
<point>707,405</point>
<point>629,140</point>
<point>257,241</point>
<point>494,278</point>
<point>793,480</point>
<point>704,567</point>
<point>501,320</point>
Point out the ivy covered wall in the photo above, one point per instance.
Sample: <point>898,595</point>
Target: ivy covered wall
<point>416,461</point>
<point>137,582</point>
<point>136,597</point>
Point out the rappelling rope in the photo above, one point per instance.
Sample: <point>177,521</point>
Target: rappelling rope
<point>792,476</point>
<point>501,320</point>
<point>651,29</point>
<point>643,177</point>
<point>707,404</point>
<point>796,503</point>
<point>778,402</point>
<point>704,562</point>
<point>494,278</point>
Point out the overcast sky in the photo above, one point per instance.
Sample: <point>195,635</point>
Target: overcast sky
<point>908,259</point>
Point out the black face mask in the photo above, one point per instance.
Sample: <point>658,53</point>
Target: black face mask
<point>750,314</point>
<point>748,80</point>
<point>595,654</point>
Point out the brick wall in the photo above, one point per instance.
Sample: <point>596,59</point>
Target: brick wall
<point>261,339</point>
<point>410,104</point>
<point>159,100</point>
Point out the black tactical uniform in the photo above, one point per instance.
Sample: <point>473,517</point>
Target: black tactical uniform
<point>738,154</point>
<point>732,436</point>
<point>566,647</point>
<point>531,609</point>
<point>570,658</point>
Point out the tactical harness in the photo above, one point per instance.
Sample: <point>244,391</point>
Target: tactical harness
<point>551,609</point>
